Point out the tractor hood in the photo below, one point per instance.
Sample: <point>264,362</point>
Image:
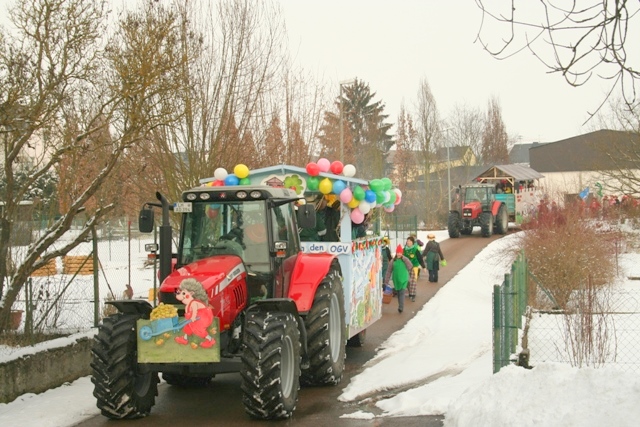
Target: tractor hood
<point>215,273</point>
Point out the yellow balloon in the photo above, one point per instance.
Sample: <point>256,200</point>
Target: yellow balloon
<point>241,171</point>
<point>325,186</point>
<point>353,203</point>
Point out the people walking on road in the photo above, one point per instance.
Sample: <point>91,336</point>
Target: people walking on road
<point>433,256</point>
<point>412,251</point>
<point>399,271</point>
<point>386,255</point>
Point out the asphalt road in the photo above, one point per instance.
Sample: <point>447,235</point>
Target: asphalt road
<point>220,403</point>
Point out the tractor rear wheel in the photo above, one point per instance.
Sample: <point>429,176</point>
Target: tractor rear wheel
<point>270,364</point>
<point>326,337</point>
<point>502,220</point>
<point>486,224</point>
<point>121,390</point>
<point>453,224</point>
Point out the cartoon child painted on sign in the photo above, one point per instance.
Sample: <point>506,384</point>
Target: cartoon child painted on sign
<point>193,296</point>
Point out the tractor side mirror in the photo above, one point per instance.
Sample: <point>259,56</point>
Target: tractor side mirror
<point>145,220</point>
<point>306,216</point>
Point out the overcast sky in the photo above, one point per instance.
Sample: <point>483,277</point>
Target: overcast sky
<point>393,45</point>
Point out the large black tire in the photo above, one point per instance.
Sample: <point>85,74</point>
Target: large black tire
<point>486,224</point>
<point>326,333</point>
<point>358,339</point>
<point>502,220</point>
<point>185,380</point>
<point>270,365</point>
<point>121,390</point>
<point>453,224</point>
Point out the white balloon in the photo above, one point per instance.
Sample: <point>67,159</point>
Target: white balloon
<point>398,192</point>
<point>349,170</point>
<point>220,174</point>
<point>387,197</point>
<point>364,207</point>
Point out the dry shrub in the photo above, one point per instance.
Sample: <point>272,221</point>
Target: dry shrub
<point>566,251</point>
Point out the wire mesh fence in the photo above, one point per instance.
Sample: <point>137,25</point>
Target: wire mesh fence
<point>69,295</point>
<point>609,336</point>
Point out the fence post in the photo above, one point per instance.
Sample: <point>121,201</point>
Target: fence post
<point>497,328</point>
<point>96,279</point>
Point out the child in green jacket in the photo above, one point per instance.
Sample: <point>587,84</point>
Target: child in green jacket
<point>399,271</point>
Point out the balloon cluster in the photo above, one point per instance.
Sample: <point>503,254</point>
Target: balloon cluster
<point>360,199</point>
<point>240,176</point>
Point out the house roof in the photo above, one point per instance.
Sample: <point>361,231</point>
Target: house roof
<point>520,152</point>
<point>595,151</point>
<point>517,172</point>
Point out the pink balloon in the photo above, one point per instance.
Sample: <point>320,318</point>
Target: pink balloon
<point>397,202</point>
<point>324,165</point>
<point>357,216</point>
<point>389,209</point>
<point>346,195</point>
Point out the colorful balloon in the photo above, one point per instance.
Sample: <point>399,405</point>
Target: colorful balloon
<point>358,193</point>
<point>389,209</point>
<point>218,183</point>
<point>349,170</point>
<point>392,197</point>
<point>353,203</point>
<point>325,186</point>
<point>346,196</point>
<point>245,181</point>
<point>364,207</point>
<point>241,171</point>
<point>338,186</point>
<point>312,183</point>
<point>313,169</point>
<point>324,165</point>
<point>336,167</point>
<point>376,185</point>
<point>220,174</point>
<point>387,184</point>
<point>357,216</point>
<point>370,196</point>
<point>231,180</point>
<point>380,197</point>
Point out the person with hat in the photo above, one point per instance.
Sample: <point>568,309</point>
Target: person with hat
<point>399,271</point>
<point>433,256</point>
<point>412,251</point>
<point>386,255</point>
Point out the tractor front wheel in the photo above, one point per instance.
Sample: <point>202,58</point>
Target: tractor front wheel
<point>453,224</point>
<point>502,220</point>
<point>270,364</point>
<point>486,224</point>
<point>121,389</point>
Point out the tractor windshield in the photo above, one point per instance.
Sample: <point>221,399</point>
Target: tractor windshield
<point>477,194</point>
<point>234,228</point>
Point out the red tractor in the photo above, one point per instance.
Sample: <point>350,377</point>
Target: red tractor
<point>477,207</point>
<point>271,312</point>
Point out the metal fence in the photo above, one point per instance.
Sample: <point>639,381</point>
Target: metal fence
<point>606,332</point>
<point>70,295</point>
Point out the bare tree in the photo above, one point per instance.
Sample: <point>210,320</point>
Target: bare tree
<point>63,94</point>
<point>465,126</point>
<point>495,141</point>
<point>578,39</point>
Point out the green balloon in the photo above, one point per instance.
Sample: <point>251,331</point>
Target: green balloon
<point>387,184</point>
<point>312,183</point>
<point>358,193</point>
<point>380,197</point>
<point>392,197</point>
<point>244,181</point>
<point>376,185</point>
